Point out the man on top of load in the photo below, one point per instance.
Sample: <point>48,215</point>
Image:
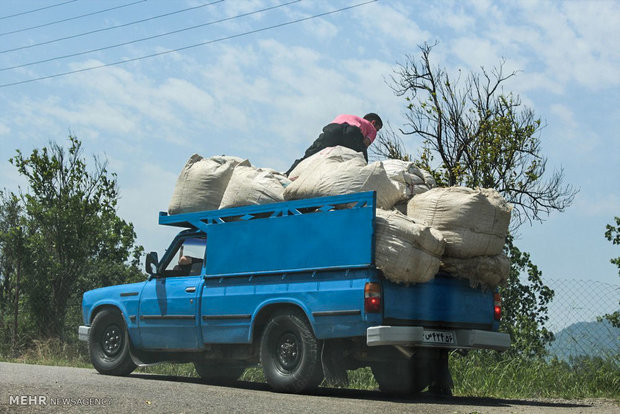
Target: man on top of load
<point>349,131</point>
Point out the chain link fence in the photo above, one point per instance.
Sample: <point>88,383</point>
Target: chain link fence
<point>574,319</point>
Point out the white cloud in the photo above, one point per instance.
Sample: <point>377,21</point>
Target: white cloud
<point>4,129</point>
<point>11,180</point>
<point>392,23</point>
<point>556,44</point>
<point>574,41</point>
<point>476,52</point>
<point>598,204</point>
<point>565,114</point>
<point>142,196</point>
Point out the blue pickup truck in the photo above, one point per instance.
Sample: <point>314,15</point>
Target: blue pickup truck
<point>291,286</point>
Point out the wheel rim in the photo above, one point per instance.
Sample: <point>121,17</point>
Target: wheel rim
<point>112,340</point>
<point>288,352</point>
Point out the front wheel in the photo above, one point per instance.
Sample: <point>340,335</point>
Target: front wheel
<point>290,354</point>
<point>108,344</point>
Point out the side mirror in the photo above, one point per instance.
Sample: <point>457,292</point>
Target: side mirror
<point>151,263</point>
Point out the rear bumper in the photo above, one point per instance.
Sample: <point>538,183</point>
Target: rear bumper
<point>435,338</point>
<point>83,332</point>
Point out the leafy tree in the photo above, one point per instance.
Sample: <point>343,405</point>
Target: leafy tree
<point>483,137</point>
<point>12,266</point>
<point>612,233</point>
<point>75,240</point>
<point>525,305</point>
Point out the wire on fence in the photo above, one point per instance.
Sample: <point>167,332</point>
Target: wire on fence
<point>575,318</point>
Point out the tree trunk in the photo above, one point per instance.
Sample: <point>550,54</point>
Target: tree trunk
<point>16,308</point>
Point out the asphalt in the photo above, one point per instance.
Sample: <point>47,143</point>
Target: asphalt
<point>36,388</point>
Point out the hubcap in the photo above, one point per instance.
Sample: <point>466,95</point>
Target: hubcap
<point>112,340</point>
<point>288,351</point>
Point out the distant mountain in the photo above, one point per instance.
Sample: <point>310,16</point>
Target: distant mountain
<point>586,339</point>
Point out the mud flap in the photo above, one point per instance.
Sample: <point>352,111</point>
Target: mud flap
<point>332,362</point>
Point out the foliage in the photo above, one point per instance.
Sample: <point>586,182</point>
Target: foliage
<point>482,136</point>
<point>389,145</point>
<point>612,233</point>
<point>524,311</point>
<point>13,260</point>
<point>73,239</point>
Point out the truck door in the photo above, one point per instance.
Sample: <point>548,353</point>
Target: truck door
<point>168,315</point>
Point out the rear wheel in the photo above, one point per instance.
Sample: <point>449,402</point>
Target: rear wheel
<point>290,354</point>
<point>108,344</point>
<point>426,368</point>
<point>401,377</point>
<point>219,372</point>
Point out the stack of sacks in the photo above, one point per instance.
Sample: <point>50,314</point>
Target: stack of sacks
<point>329,175</point>
<point>406,252</point>
<point>252,186</point>
<point>474,223</point>
<point>202,183</point>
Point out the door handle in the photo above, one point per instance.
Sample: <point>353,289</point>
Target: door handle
<point>190,289</point>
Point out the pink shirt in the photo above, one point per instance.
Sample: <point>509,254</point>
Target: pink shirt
<point>368,130</point>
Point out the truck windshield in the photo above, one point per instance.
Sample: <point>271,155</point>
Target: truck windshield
<point>188,258</point>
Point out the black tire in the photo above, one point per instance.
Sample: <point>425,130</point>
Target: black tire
<point>219,372</point>
<point>402,377</point>
<point>441,384</point>
<point>108,344</point>
<point>290,354</point>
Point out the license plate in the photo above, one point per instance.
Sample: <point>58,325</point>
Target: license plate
<point>439,337</point>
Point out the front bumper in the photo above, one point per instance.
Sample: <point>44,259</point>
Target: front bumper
<point>83,332</point>
<point>437,338</point>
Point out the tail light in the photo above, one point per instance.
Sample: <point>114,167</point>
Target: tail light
<point>497,307</point>
<point>372,297</point>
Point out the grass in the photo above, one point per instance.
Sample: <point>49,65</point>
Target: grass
<point>479,374</point>
<point>484,375</point>
<point>52,352</point>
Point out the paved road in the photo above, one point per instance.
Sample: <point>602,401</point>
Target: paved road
<point>36,388</point>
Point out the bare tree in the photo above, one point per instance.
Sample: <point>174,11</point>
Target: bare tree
<point>482,136</point>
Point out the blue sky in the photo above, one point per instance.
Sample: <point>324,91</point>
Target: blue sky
<point>266,95</point>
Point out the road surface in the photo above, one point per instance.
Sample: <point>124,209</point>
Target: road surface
<point>36,388</point>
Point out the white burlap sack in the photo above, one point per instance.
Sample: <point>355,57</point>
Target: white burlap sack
<point>252,186</point>
<point>409,179</point>
<point>428,179</point>
<point>474,222</point>
<point>202,183</point>
<point>284,180</point>
<point>337,153</point>
<point>401,207</point>
<point>329,177</point>
<point>406,252</point>
<point>485,271</point>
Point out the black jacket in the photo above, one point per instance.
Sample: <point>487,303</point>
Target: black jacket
<point>335,134</point>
